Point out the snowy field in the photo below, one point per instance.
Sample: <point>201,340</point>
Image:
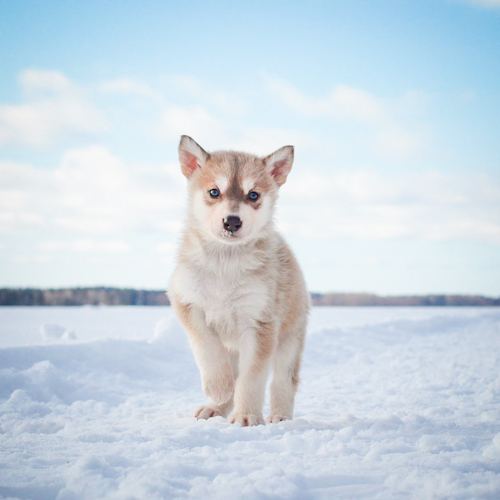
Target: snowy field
<point>95,403</point>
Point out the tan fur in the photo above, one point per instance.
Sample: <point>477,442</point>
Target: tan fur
<point>264,333</point>
<point>239,293</point>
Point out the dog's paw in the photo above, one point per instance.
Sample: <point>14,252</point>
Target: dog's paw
<point>275,418</point>
<point>208,411</point>
<point>246,419</point>
<point>219,389</point>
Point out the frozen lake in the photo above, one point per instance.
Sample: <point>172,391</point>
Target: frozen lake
<point>95,403</point>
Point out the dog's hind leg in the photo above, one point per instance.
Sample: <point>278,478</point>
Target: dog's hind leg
<point>287,362</point>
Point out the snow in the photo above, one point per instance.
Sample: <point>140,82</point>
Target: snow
<point>95,403</point>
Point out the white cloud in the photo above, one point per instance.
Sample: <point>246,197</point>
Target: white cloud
<point>53,108</point>
<point>174,89</point>
<point>86,246</point>
<point>342,103</point>
<point>264,140</point>
<point>212,117</point>
<point>36,259</point>
<point>200,91</point>
<point>417,100</point>
<point>165,247</point>
<point>213,133</point>
<point>26,194</point>
<point>372,206</point>
<point>488,4</point>
<point>390,139</point>
<point>92,191</point>
<point>35,83</point>
<point>195,121</point>
<point>130,86</point>
<point>393,142</point>
<point>102,194</point>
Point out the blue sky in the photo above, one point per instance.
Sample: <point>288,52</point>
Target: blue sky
<point>393,107</point>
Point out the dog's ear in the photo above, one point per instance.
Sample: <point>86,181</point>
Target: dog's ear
<point>191,155</point>
<point>279,164</point>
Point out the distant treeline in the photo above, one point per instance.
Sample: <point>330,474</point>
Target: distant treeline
<point>130,297</point>
<point>366,299</point>
<point>82,296</point>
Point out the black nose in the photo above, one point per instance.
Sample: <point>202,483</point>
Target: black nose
<point>232,223</point>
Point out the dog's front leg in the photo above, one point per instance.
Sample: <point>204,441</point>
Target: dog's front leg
<point>209,410</point>
<point>255,353</point>
<point>212,358</point>
<point>213,361</point>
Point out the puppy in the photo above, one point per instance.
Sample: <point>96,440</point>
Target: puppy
<point>237,287</point>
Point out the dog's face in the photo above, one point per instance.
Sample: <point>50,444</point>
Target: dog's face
<point>232,194</point>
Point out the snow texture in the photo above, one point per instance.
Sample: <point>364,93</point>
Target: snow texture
<point>394,403</point>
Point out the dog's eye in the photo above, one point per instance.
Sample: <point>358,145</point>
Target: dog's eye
<point>214,193</point>
<point>253,196</point>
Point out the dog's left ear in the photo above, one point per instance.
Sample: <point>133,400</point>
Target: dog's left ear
<point>191,155</point>
<point>279,164</point>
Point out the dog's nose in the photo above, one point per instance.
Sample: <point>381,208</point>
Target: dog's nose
<point>232,223</point>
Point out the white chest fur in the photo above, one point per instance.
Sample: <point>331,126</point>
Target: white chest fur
<point>231,286</point>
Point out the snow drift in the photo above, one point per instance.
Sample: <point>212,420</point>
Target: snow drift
<point>407,407</point>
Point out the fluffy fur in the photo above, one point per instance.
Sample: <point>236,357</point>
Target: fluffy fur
<point>237,287</point>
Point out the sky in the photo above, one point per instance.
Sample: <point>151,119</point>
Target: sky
<point>393,108</point>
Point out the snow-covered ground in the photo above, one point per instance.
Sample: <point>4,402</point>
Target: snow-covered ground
<point>394,403</point>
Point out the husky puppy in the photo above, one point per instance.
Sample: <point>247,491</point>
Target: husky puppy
<point>237,288</point>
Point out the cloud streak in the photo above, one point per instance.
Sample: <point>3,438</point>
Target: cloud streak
<point>53,108</point>
<point>488,4</point>
<point>213,132</point>
<point>86,246</point>
<point>348,104</point>
<point>368,205</point>
<point>91,192</point>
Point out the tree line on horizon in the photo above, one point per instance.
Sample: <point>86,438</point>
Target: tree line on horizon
<point>108,296</point>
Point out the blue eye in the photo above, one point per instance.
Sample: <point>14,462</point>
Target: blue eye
<point>253,196</point>
<point>214,193</point>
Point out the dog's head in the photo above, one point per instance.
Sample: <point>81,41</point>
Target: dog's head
<point>232,194</point>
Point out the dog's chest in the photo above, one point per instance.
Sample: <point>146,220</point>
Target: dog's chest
<point>233,294</point>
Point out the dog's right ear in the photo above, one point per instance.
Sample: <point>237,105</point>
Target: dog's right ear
<point>191,155</point>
